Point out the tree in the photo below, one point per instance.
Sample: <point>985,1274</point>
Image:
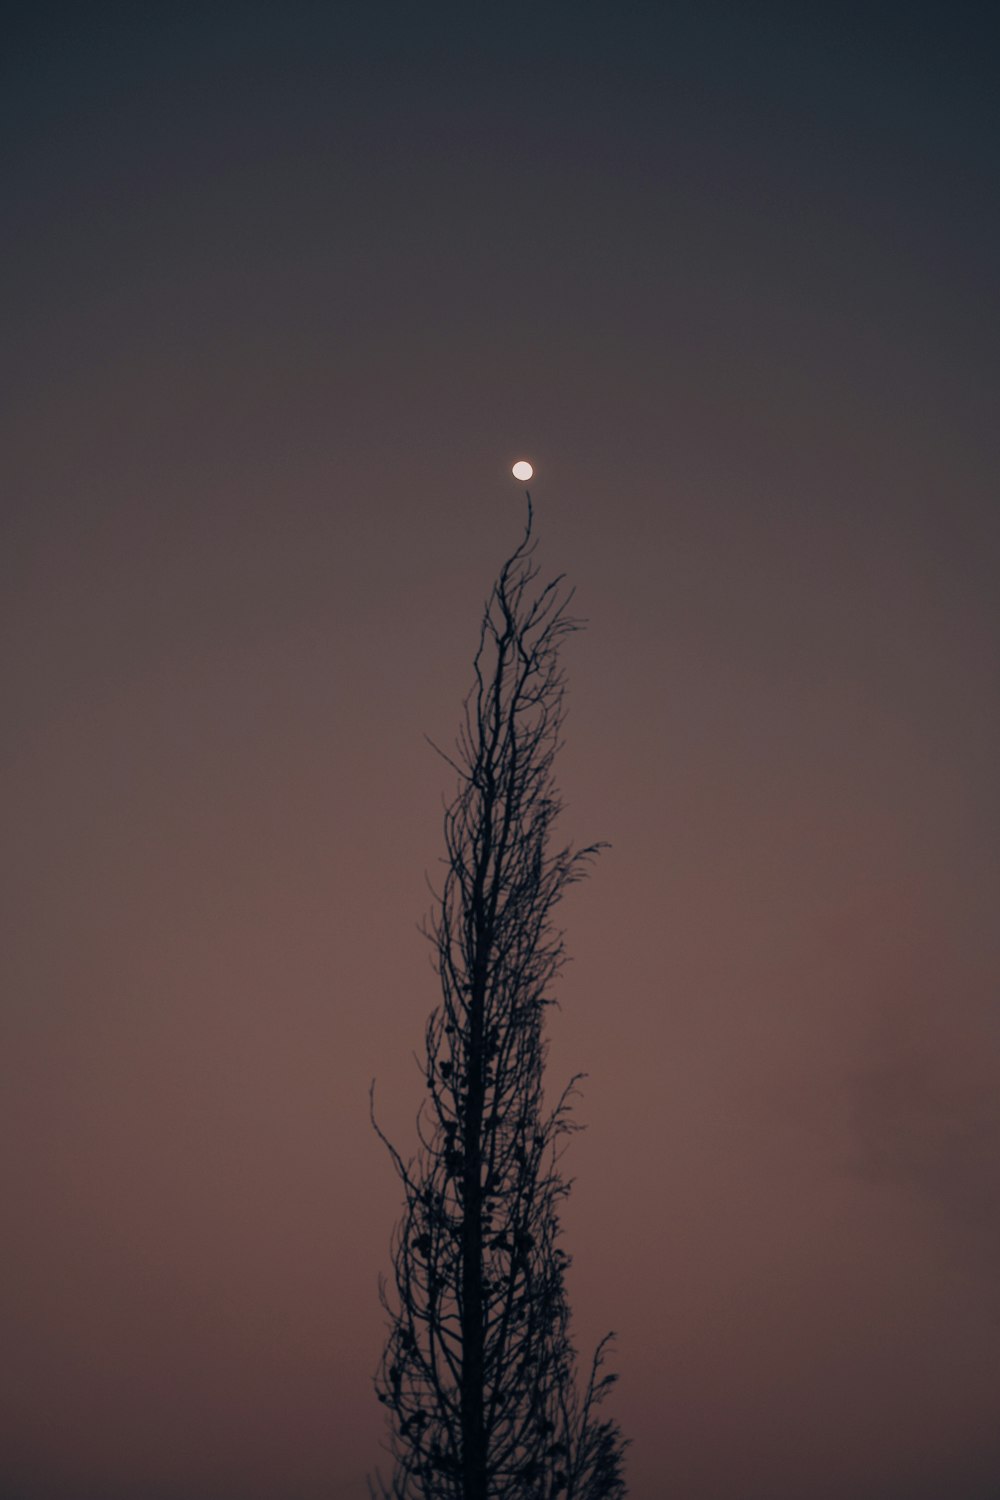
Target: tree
<point>478,1372</point>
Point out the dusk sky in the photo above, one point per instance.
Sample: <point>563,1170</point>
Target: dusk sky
<point>286,290</point>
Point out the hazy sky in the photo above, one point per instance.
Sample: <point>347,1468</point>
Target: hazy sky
<point>287,288</point>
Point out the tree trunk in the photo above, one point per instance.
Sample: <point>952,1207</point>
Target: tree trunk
<point>474,1486</point>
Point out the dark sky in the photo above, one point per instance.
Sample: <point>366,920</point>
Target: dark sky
<point>286,290</point>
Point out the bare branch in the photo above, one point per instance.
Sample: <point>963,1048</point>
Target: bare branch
<point>477,1374</point>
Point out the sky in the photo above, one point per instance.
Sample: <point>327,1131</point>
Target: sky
<point>286,290</point>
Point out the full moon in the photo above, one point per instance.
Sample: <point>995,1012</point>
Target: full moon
<point>522,469</point>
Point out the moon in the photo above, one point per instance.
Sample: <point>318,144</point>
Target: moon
<point>522,469</point>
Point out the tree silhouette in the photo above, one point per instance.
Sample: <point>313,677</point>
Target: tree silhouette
<point>478,1372</point>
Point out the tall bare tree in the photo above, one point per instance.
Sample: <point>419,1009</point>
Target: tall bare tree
<point>478,1372</point>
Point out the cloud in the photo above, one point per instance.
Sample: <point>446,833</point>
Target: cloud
<point>924,1113</point>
